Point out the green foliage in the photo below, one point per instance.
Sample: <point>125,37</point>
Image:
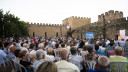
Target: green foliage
<point>10,25</point>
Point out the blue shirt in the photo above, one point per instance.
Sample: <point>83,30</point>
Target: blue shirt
<point>2,54</point>
<point>5,50</point>
<point>99,52</point>
<point>96,70</point>
<point>10,56</point>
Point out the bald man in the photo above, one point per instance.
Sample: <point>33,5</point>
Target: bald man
<point>11,55</point>
<point>63,65</point>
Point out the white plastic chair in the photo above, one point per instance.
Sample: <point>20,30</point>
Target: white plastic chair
<point>119,66</point>
<point>56,52</point>
<point>18,67</point>
<point>78,64</point>
<point>2,62</point>
<point>91,64</point>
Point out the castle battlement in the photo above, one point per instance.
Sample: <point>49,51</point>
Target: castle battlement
<point>44,24</point>
<point>110,15</point>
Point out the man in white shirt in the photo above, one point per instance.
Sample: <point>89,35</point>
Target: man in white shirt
<point>63,65</point>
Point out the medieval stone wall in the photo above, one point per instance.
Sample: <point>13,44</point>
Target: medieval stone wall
<point>50,29</point>
<point>112,28</point>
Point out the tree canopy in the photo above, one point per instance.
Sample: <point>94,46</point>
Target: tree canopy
<point>11,25</point>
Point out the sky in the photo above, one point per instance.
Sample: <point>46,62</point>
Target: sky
<point>54,11</point>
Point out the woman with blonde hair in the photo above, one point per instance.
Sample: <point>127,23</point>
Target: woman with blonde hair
<point>47,67</point>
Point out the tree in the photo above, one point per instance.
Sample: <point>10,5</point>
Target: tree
<point>11,25</point>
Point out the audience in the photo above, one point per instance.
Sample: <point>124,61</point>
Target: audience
<point>2,53</point>
<point>65,49</point>
<point>16,53</point>
<point>76,57</point>
<point>11,55</point>
<point>50,56</point>
<point>40,58</point>
<point>100,52</point>
<point>63,65</point>
<point>118,57</point>
<point>103,63</point>
<point>24,60</point>
<point>47,67</point>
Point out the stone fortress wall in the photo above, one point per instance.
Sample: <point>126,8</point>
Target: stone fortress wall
<point>114,21</point>
<point>50,29</point>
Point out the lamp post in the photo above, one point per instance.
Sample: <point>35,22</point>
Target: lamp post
<point>69,31</point>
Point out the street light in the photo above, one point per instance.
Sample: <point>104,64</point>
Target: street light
<point>3,21</point>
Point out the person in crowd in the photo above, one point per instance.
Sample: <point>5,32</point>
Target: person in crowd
<point>84,52</point>
<point>113,52</point>
<point>6,47</point>
<point>50,56</point>
<point>82,43</point>
<point>76,57</point>
<point>122,43</point>
<point>90,55</point>
<point>97,51</point>
<point>103,63</point>
<point>25,47</point>
<point>47,67</point>
<point>2,53</point>
<point>46,45</point>
<point>32,49</point>
<point>100,47</point>
<point>40,55</point>
<point>126,48</point>
<point>16,53</point>
<point>24,60</point>
<point>118,57</point>
<point>63,65</point>
<point>68,45</point>
<point>11,55</point>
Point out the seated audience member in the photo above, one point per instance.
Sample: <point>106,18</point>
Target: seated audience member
<point>118,57</point>
<point>11,55</point>
<point>32,49</point>
<point>63,65</point>
<point>84,52</point>
<point>100,47</point>
<point>40,55</point>
<point>2,53</point>
<point>68,45</point>
<point>97,50</point>
<point>50,56</point>
<point>25,47</point>
<point>76,57</point>
<point>24,60</point>
<point>47,67</point>
<point>90,55</point>
<point>6,47</point>
<point>16,53</point>
<point>113,53</point>
<point>103,63</point>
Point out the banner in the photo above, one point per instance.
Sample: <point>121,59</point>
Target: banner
<point>89,35</point>
<point>122,32</point>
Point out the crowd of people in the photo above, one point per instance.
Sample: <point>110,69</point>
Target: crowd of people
<point>41,54</point>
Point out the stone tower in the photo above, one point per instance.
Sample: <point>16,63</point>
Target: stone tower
<point>75,22</point>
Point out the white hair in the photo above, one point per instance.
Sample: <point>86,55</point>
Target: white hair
<point>64,55</point>
<point>39,54</point>
<point>103,61</point>
<point>40,45</point>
